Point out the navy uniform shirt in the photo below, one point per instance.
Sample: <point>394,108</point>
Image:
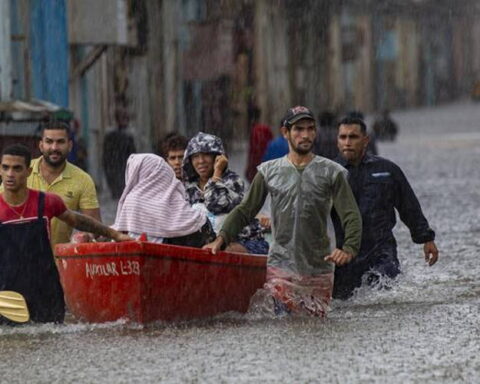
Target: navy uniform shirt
<point>380,187</point>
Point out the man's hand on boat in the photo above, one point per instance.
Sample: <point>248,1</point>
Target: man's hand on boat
<point>215,245</point>
<point>265,222</point>
<point>89,224</point>
<point>339,257</point>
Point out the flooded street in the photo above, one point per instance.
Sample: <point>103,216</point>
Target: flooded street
<point>425,329</point>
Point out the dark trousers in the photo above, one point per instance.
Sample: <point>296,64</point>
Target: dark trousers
<point>369,269</point>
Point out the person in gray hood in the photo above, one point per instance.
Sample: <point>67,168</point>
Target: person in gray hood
<point>210,184</point>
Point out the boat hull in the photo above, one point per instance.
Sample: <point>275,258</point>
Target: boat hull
<point>144,282</point>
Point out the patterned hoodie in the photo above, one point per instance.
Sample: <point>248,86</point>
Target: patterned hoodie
<point>219,197</point>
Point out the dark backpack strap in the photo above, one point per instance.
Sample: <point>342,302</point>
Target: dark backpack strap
<point>41,204</point>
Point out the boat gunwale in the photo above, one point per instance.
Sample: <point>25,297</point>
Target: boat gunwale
<point>65,252</point>
<point>187,260</point>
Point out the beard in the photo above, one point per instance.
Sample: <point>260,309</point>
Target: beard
<point>55,163</point>
<point>301,149</point>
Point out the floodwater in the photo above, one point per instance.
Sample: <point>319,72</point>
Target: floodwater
<point>425,329</point>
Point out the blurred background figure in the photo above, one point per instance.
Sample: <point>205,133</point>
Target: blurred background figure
<point>326,141</point>
<point>78,155</point>
<point>260,136</point>
<point>384,127</point>
<point>118,145</point>
<point>475,92</point>
<point>276,148</point>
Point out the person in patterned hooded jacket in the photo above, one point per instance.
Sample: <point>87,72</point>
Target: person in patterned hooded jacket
<point>210,183</point>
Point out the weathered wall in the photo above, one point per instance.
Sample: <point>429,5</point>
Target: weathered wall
<point>272,89</point>
<point>5,52</point>
<point>204,63</point>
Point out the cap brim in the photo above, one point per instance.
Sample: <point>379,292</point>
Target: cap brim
<point>301,116</point>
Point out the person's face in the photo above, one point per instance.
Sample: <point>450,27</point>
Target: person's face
<point>55,146</point>
<point>14,172</point>
<point>203,164</point>
<point>352,142</point>
<point>301,136</point>
<point>174,159</point>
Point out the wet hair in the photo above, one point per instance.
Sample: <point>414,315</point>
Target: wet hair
<point>353,121</point>
<point>18,150</point>
<point>54,124</point>
<point>173,142</point>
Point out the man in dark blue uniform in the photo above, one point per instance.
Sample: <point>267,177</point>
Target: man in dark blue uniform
<point>379,187</point>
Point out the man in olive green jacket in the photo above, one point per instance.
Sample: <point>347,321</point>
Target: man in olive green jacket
<point>303,188</point>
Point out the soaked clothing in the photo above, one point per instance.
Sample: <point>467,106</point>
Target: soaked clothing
<point>153,201</point>
<point>302,199</point>
<point>28,267</point>
<point>297,294</point>
<point>219,196</point>
<point>28,211</point>
<point>368,269</point>
<point>379,187</point>
<point>260,136</point>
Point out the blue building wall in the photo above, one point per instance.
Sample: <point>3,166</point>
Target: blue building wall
<point>49,50</point>
<point>18,58</point>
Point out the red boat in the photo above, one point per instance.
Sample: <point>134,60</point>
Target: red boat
<point>145,282</point>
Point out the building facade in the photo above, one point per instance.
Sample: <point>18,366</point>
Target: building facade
<point>200,65</point>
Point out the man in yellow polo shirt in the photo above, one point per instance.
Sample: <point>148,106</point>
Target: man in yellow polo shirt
<point>51,172</point>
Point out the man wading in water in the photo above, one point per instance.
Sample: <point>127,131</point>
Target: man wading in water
<point>26,257</point>
<point>380,188</point>
<point>303,188</point>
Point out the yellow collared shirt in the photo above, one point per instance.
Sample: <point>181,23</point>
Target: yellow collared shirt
<point>74,186</point>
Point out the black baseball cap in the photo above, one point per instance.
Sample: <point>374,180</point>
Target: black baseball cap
<point>295,114</point>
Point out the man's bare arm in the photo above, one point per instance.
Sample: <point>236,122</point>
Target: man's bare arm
<point>88,224</point>
<point>95,213</point>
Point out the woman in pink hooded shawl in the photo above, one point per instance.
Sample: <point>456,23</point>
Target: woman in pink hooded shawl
<point>153,202</point>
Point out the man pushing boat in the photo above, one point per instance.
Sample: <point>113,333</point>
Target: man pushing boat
<point>26,258</point>
<point>303,188</point>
